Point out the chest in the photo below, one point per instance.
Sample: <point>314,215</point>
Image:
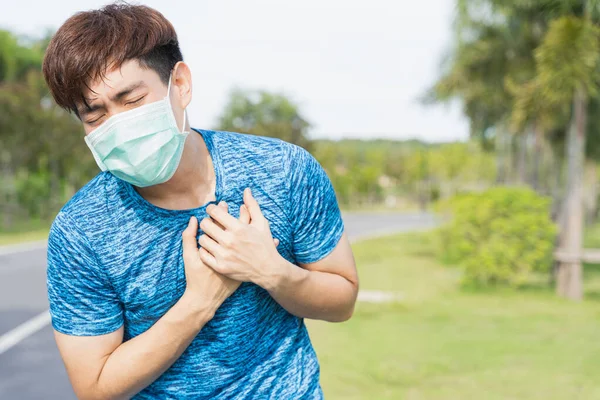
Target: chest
<point>144,260</point>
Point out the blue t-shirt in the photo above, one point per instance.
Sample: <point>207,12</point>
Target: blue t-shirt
<point>116,259</point>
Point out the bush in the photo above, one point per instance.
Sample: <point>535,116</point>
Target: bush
<point>499,236</point>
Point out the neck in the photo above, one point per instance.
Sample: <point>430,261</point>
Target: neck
<point>192,185</point>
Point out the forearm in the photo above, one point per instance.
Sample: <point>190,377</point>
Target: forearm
<point>140,361</point>
<point>312,294</point>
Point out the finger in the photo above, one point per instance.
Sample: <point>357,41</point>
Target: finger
<point>224,206</point>
<point>252,205</point>
<point>276,241</point>
<point>189,235</point>
<point>208,259</point>
<point>189,238</point>
<point>222,216</point>
<point>206,242</point>
<point>244,215</point>
<point>210,227</point>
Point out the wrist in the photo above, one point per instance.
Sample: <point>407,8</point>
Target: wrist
<point>280,274</point>
<point>197,308</point>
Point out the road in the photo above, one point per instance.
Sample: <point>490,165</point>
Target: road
<point>32,368</point>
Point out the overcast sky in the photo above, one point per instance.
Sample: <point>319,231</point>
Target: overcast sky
<point>356,68</point>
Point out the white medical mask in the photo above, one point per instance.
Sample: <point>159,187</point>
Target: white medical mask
<point>142,146</point>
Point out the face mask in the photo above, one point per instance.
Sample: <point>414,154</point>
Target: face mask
<point>142,146</point>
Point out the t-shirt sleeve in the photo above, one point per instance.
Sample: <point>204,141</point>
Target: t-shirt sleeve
<point>315,215</point>
<point>82,300</point>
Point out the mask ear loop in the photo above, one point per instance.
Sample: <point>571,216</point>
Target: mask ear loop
<point>169,86</point>
<point>183,122</point>
<point>168,97</point>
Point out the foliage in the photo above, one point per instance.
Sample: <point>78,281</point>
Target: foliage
<point>265,114</point>
<point>43,158</point>
<point>568,58</point>
<point>499,236</point>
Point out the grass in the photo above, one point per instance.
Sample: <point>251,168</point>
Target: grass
<point>444,342</point>
<point>25,232</point>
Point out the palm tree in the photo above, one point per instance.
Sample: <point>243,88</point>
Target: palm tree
<point>568,62</point>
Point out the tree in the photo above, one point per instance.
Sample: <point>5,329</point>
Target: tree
<point>532,68</point>
<point>265,114</point>
<point>43,157</point>
<point>494,43</point>
<point>568,72</point>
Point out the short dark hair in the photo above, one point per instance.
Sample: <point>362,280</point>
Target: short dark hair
<point>90,42</point>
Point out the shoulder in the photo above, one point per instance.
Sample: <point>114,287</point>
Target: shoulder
<point>244,157</point>
<point>246,148</point>
<point>88,206</point>
<point>252,146</point>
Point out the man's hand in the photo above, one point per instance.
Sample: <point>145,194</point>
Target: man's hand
<point>243,249</point>
<point>206,288</point>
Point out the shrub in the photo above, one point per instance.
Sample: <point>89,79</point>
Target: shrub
<point>499,236</point>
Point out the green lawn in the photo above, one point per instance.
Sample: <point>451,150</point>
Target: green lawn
<point>444,342</point>
<point>25,232</point>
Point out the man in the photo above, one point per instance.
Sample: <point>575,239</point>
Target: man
<point>140,311</point>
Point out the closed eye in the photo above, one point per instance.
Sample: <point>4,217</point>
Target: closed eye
<point>135,101</point>
<point>94,121</point>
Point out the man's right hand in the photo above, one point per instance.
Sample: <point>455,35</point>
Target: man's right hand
<point>205,288</point>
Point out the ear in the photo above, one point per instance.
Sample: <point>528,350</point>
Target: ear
<point>182,85</point>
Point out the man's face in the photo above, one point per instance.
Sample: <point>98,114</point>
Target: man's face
<point>122,89</point>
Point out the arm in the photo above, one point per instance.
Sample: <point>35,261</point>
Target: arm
<point>99,364</point>
<point>103,367</point>
<point>325,289</point>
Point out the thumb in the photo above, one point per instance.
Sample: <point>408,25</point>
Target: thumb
<point>189,238</point>
<point>252,205</point>
<point>244,214</point>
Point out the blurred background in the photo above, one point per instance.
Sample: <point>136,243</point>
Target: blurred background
<point>462,141</point>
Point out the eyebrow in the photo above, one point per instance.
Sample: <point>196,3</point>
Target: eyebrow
<point>87,109</point>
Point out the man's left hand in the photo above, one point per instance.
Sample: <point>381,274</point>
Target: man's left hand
<point>242,249</point>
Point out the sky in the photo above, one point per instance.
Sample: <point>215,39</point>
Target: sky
<point>356,68</point>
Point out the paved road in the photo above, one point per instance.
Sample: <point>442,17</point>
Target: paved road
<point>33,370</point>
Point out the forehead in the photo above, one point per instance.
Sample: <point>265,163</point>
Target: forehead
<point>116,78</point>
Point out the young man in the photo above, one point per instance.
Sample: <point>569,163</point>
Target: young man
<point>138,309</point>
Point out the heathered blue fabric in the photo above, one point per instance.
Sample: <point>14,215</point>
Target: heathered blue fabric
<point>114,259</point>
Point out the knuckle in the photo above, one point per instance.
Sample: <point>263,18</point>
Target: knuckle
<point>204,223</point>
<point>204,256</point>
<point>228,241</point>
<point>226,256</point>
<point>189,260</point>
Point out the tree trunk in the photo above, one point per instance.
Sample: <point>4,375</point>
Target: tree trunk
<point>570,274</point>
<point>501,147</point>
<point>591,192</point>
<point>556,186</point>
<point>538,151</point>
<point>522,158</point>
